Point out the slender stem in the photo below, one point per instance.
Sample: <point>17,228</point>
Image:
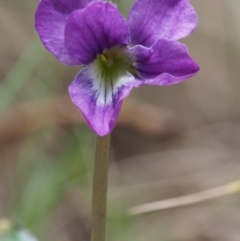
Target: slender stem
<point>100,183</point>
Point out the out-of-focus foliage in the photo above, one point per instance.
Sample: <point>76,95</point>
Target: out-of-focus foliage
<point>41,189</point>
<point>11,232</point>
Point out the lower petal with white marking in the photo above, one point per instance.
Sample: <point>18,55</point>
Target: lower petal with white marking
<point>99,100</point>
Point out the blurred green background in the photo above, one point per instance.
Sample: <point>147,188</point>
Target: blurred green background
<point>171,141</point>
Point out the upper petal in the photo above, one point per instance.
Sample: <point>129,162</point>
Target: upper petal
<point>165,63</point>
<point>100,102</point>
<point>50,21</point>
<point>150,20</point>
<point>90,31</point>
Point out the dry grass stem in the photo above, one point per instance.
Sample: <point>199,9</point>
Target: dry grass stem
<point>227,189</point>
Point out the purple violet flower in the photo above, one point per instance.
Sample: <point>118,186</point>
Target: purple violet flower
<point>117,54</point>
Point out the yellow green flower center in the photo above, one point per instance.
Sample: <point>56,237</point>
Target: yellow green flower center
<point>113,63</point>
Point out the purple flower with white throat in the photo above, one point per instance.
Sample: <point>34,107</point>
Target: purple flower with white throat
<point>117,54</point>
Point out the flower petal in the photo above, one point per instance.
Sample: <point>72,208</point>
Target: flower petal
<point>150,20</point>
<point>165,63</point>
<point>90,31</point>
<point>100,102</point>
<point>50,21</point>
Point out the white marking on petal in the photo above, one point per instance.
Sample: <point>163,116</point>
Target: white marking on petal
<point>106,90</point>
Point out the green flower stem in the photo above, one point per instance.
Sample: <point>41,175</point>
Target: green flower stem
<point>100,183</point>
